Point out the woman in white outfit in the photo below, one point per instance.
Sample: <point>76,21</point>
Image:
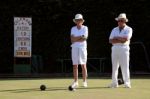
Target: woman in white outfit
<point>79,34</point>
<point>120,39</point>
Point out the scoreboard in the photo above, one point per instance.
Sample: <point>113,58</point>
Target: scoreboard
<point>22,37</point>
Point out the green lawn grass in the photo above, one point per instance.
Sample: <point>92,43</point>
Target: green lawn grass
<point>57,89</point>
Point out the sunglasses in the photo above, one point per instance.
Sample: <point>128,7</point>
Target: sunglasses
<point>78,20</point>
<point>121,20</point>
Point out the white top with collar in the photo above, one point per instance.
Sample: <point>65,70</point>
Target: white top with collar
<point>79,32</point>
<point>125,32</point>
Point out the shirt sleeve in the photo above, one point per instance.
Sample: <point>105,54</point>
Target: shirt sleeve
<point>111,34</point>
<point>128,33</point>
<point>86,32</point>
<point>72,33</point>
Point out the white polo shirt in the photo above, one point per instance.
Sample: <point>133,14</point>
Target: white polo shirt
<point>79,32</point>
<point>125,32</point>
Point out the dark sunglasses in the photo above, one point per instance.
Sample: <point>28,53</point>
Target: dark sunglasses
<point>78,20</point>
<point>121,20</point>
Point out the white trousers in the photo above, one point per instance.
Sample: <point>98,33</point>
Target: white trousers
<point>120,57</point>
<point>79,55</point>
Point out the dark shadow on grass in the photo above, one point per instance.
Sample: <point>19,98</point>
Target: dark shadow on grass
<point>20,90</point>
<point>47,89</point>
<point>34,89</point>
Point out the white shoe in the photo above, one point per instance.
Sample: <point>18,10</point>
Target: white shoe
<point>84,84</point>
<point>74,84</point>
<point>113,85</point>
<point>127,86</point>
